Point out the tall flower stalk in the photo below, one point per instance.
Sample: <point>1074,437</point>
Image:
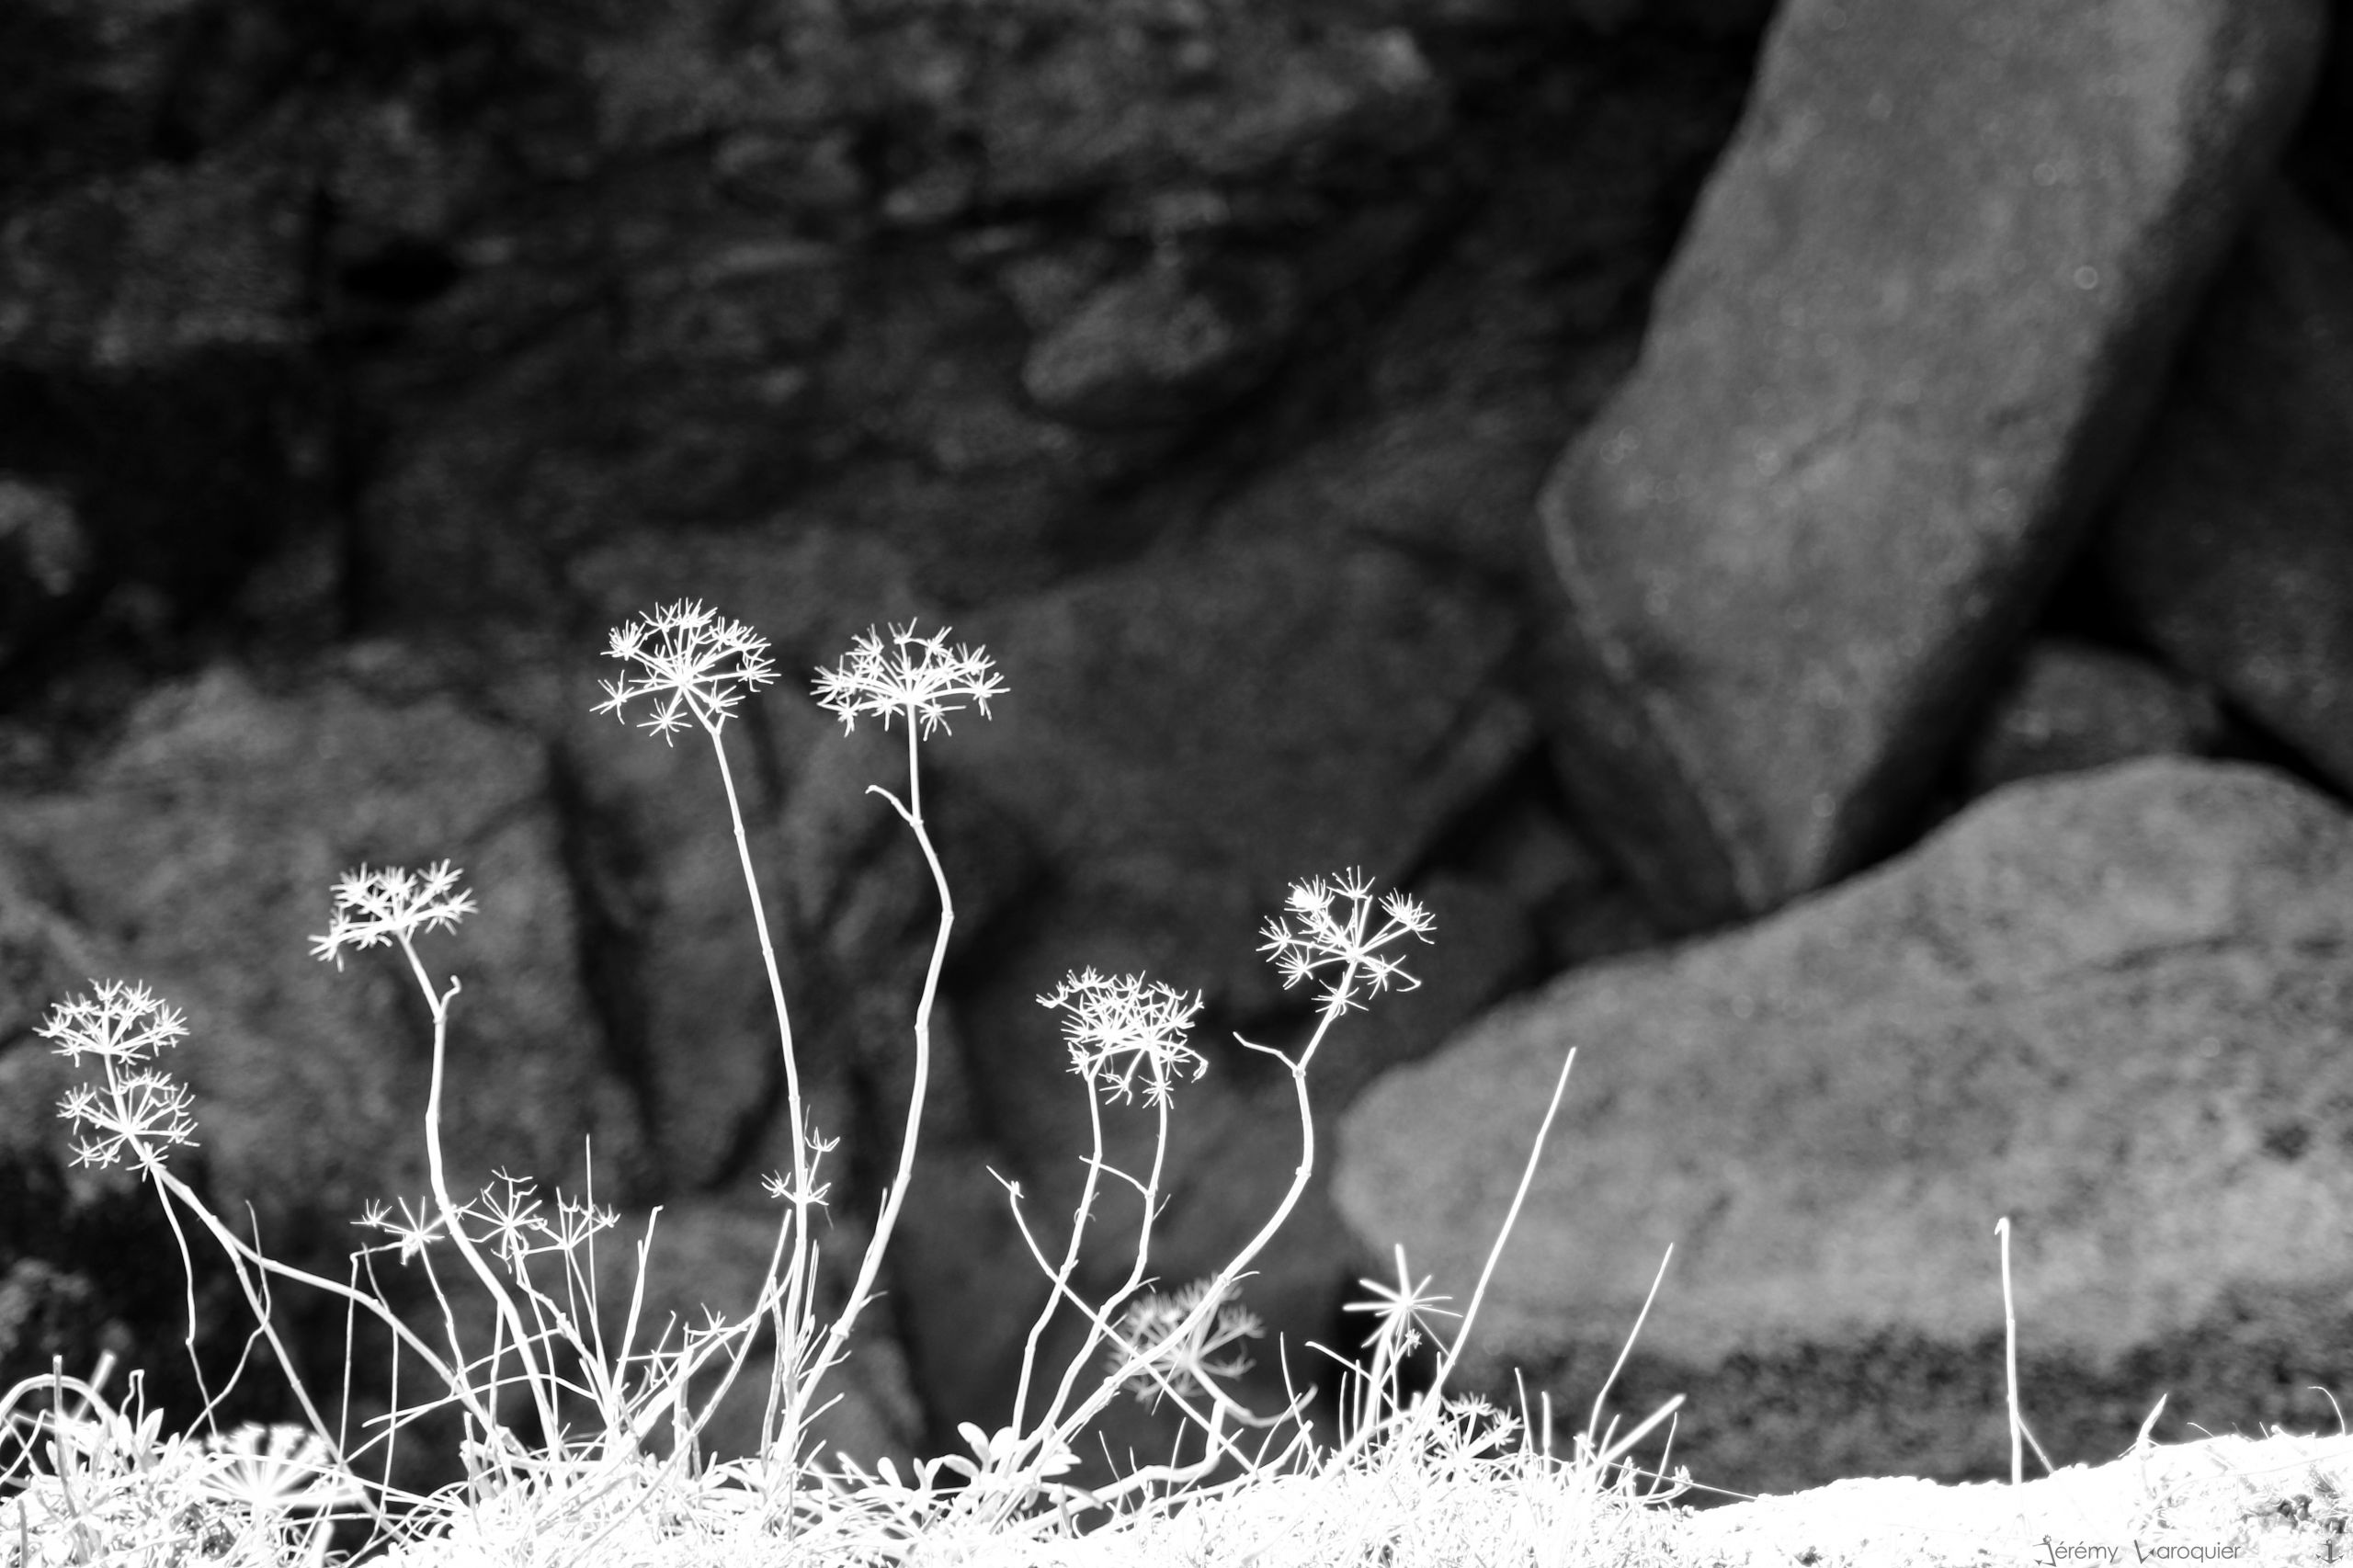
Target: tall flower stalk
<point>693,666</point>
<point>919,680</point>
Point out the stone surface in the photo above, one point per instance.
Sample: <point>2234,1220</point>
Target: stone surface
<point>2070,707</point>
<point>422,344</point>
<point>204,849</point>
<point>153,269</point>
<point>199,854</point>
<point>1907,334</point>
<point>1193,735</point>
<point>2111,1006</point>
<point>2231,544</point>
<point>1164,345</point>
<point>2321,162</point>
<point>44,557</point>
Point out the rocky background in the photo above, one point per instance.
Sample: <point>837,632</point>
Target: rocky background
<point>1820,540</point>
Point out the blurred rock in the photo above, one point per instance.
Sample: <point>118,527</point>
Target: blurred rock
<point>136,274</point>
<point>98,84</point>
<point>45,556</point>
<point>2070,708</point>
<point>1163,346</point>
<point>2321,162</point>
<point>1192,735</point>
<point>2231,544</point>
<point>1160,91</point>
<point>156,331</point>
<point>1706,18</point>
<point>205,847</point>
<point>1909,333</point>
<point>2108,1006</point>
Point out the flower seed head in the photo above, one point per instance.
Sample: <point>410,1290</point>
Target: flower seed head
<point>373,907</point>
<point>1333,932</point>
<point>918,676</point>
<point>140,1109</point>
<point>1157,1324</point>
<point>693,662</point>
<point>1119,1028</point>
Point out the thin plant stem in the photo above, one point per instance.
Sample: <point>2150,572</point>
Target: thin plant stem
<point>1430,1401</point>
<point>795,1109</point>
<point>894,1196</point>
<point>535,1379</point>
<point>1097,1322</point>
<point>2010,1355</point>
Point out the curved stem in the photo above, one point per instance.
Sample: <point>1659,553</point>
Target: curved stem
<point>542,1395</point>
<point>1224,1281</point>
<point>1049,1440</point>
<point>1059,1278</point>
<point>242,1254</point>
<point>796,1113</point>
<point>894,1196</point>
<point>1151,1190</point>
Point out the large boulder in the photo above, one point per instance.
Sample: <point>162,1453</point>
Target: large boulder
<point>1911,330</point>
<point>2231,545</point>
<point>2110,1006</point>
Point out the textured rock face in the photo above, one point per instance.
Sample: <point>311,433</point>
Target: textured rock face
<point>2232,541</point>
<point>207,847</point>
<point>2110,1006</point>
<point>2069,708</point>
<point>1915,318</point>
<point>362,362</point>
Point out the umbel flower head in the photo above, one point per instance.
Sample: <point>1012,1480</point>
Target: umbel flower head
<point>1119,1028</point>
<point>918,676</point>
<point>372,907</point>
<point>139,1107</point>
<point>1334,933</point>
<point>693,663</point>
<point>1151,1322</point>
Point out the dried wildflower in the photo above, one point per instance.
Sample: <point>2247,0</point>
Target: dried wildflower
<point>919,676</point>
<point>1119,1028</point>
<point>372,907</point>
<point>1152,1324</point>
<point>269,1470</point>
<point>411,1233</point>
<point>1403,1311</point>
<point>696,664</point>
<point>1325,938</point>
<point>139,1107</point>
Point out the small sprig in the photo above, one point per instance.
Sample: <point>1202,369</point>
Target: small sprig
<point>696,665</point>
<point>1404,1313</point>
<point>139,1108</point>
<point>1324,939</point>
<point>372,907</point>
<point>1157,1326</point>
<point>1119,1028</point>
<point>411,1233</point>
<point>918,676</point>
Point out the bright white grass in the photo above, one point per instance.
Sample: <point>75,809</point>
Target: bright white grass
<point>1519,1508</point>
